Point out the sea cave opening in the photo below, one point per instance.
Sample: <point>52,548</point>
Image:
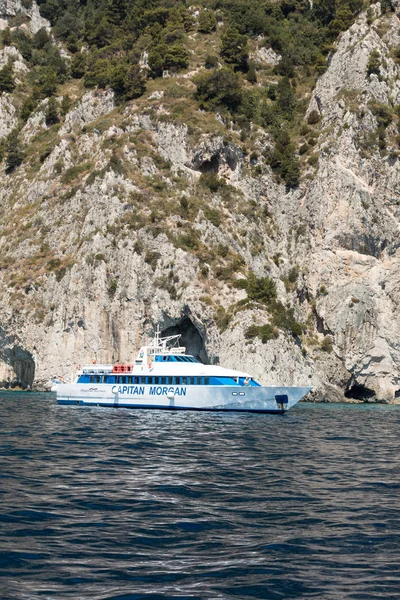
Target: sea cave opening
<point>359,392</point>
<point>190,338</point>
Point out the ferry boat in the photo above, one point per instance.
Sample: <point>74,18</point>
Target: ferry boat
<point>163,376</point>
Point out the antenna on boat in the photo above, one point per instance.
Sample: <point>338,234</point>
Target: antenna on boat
<point>157,336</point>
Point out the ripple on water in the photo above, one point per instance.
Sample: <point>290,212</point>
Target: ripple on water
<point>106,504</point>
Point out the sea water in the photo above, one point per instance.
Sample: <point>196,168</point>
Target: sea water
<point>114,504</point>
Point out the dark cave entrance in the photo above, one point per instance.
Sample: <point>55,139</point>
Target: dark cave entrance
<point>190,338</point>
<point>211,165</point>
<point>359,392</point>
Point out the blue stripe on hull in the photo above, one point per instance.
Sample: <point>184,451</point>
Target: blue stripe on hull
<point>160,407</point>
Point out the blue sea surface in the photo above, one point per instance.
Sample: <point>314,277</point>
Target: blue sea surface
<point>112,504</point>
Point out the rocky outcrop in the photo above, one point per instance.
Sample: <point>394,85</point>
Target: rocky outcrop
<point>9,8</point>
<point>8,115</point>
<point>90,107</point>
<point>351,208</point>
<point>112,236</point>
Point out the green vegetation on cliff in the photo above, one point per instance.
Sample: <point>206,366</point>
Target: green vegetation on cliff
<point>122,43</point>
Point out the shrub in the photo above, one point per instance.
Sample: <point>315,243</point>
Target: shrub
<point>51,114</point>
<point>285,67</point>
<point>382,112</point>
<point>28,107</point>
<point>284,319</point>
<point>45,154</point>
<point>151,258</point>
<point>219,87</point>
<point>65,105</point>
<point>7,83</point>
<point>211,181</point>
<point>211,61</point>
<point>78,66</point>
<point>6,37</point>
<point>313,159</point>
<point>264,332</point>
<point>189,240</point>
<point>176,57</point>
<point>222,318</point>
<point>251,74</point>
<point>313,117</point>
<point>322,290</point>
<point>73,172</point>
<point>290,280</point>
<point>284,161</point>
<point>251,332</point>
<point>212,215</point>
<point>261,289</point>
<point>14,153</point>
<point>327,344</point>
<point>112,286</point>
<point>286,97</point>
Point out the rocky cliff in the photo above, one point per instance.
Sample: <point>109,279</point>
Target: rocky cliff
<point>110,227</point>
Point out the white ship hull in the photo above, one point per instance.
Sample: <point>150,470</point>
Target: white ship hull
<point>226,398</point>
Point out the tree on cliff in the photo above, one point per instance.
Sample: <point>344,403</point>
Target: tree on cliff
<point>7,82</point>
<point>51,115</point>
<point>207,21</point>
<point>15,154</point>
<point>219,87</point>
<point>234,48</point>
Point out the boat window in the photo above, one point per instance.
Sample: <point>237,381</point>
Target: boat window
<point>91,379</point>
<point>162,380</point>
<point>206,381</point>
<point>184,380</point>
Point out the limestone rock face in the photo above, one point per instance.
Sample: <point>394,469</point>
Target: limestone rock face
<point>8,115</point>
<point>111,236</point>
<point>11,54</point>
<point>266,56</point>
<point>351,207</point>
<point>9,8</point>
